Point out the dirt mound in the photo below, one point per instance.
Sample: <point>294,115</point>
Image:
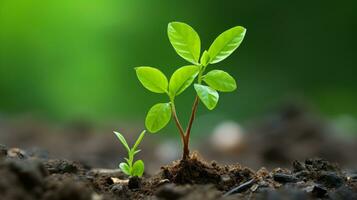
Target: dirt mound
<point>197,171</point>
<point>26,176</point>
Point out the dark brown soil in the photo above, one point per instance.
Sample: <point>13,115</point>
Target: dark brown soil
<point>28,177</point>
<point>197,171</point>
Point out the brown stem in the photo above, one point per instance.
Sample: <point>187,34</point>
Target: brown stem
<point>178,124</point>
<point>185,136</point>
<point>186,151</point>
<point>192,118</point>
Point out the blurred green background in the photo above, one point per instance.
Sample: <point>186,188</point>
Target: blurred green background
<point>65,60</point>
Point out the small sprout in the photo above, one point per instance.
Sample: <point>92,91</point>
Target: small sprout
<point>186,42</point>
<point>128,167</point>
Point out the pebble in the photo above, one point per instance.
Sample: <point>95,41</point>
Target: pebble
<point>254,187</point>
<point>117,189</point>
<point>225,179</point>
<point>284,178</point>
<point>163,181</point>
<point>331,180</point>
<point>352,176</point>
<point>17,153</point>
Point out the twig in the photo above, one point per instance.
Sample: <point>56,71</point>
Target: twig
<point>240,188</point>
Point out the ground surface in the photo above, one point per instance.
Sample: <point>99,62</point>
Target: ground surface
<point>28,175</point>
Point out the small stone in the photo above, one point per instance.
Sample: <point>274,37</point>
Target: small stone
<point>352,176</point>
<point>134,182</point>
<point>331,180</point>
<point>254,187</point>
<point>119,181</point>
<point>163,181</point>
<point>17,153</point>
<point>284,178</point>
<point>117,189</point>
<point>225,178</point>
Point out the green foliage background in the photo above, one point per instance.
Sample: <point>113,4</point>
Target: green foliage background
<point>69,59</point>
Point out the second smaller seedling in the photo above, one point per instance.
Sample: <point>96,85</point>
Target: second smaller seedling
<point>130,169</point>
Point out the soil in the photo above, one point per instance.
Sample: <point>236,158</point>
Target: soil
<point>33,176</point>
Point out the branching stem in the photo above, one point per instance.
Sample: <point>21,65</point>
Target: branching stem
<point>185,135</point>
<point>177,121</point>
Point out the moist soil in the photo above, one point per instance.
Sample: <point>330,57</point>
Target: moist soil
<point>26,176</point>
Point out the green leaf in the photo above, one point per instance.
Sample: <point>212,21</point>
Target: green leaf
<point>182,78</point>
<point>226,43</point>
<point>125,168</point>
<point>185,41</point>
<point>138,141</point>
<point>122,140</point>
<point>137,151</point>
<point>208,96</point>
<point>152,79</point>
<point>205,58</point>
<point>158,117</point>
<point>220,80</point>
<point>138,168</point>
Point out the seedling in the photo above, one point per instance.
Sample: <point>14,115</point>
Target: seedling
<point>187,44</point>
<point>130,169</point>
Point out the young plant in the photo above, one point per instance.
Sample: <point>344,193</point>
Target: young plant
<point>187,44</point>
<point>130,169</point>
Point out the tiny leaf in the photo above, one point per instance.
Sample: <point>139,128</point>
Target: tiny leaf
<point>220,80</point>
<point>185,41</point>
<point>226,43</point>
<point>182,78</point>
<point>208,96</point>
<point>122,140</point>
<point>205,58</point>
<point>152,79</point>
<point>125,168</point>
<point>137,151</point>
<point>158,117</point>
<point>140,138</point>
<point>138,168</point>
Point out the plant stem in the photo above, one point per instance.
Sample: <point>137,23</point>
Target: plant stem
<point>186,151</point>
<point>177,121</point>
<point>190,123</point>
<point>185,136</point>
